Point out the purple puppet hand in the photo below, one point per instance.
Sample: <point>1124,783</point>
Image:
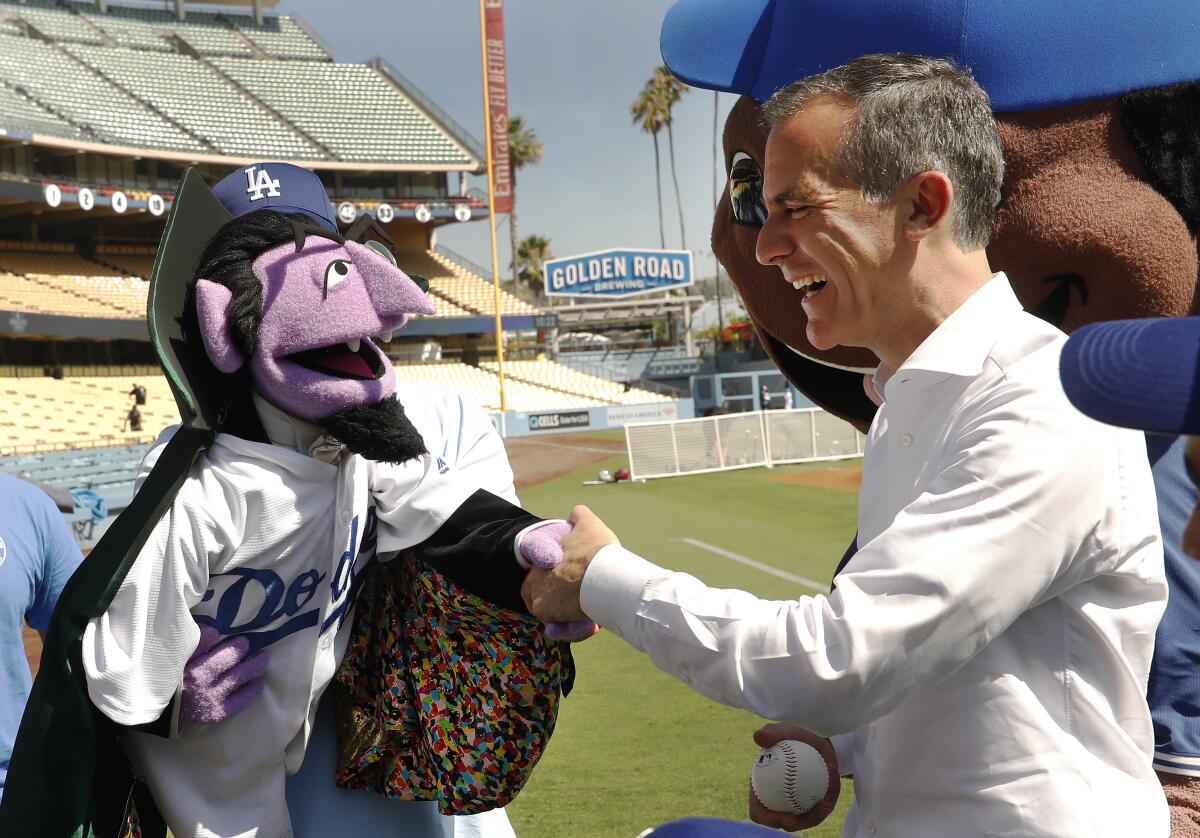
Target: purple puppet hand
<point>539,547</point>
<point>572,632</point>
<point>220,681</point>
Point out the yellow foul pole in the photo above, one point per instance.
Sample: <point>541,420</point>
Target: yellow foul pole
<point>487,121</point>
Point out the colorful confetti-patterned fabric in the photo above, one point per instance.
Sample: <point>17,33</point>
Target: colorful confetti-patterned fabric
<point>441,695</point>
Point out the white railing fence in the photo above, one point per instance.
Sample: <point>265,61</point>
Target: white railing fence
<point>739,440</point>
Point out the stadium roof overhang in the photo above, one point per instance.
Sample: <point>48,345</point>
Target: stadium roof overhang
<point>621,312</point>
<point>67,144</point>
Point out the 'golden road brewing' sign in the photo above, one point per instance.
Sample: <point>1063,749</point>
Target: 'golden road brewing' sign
<point>618,273</point>
<point>497,96</point>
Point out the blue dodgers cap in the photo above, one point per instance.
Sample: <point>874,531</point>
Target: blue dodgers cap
<point>1141,374</point>
<point>1027,54</point>
<point>276,186</point>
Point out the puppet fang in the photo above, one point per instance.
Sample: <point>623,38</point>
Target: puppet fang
<point>343,360</point>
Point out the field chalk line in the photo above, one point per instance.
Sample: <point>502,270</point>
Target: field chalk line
<point>803,581</point>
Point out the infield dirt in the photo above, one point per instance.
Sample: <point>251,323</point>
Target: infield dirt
<point>841,478</point>
<point>538,459</point>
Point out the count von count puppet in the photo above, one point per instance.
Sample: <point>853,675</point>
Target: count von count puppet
<point>215,613</point>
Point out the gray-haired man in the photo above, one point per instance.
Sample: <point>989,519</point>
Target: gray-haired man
<point>980,667</point>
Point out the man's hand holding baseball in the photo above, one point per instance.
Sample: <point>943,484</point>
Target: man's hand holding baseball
<point>769,735</point>
<point>553,595</point>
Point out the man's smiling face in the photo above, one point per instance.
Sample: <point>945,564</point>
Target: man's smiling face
<point>833,378</point>
<point>831,245</point>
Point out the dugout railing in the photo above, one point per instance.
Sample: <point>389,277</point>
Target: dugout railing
<point>763,438</point>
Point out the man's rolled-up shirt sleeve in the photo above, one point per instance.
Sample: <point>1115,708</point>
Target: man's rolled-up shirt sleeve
<point>1014,498</point>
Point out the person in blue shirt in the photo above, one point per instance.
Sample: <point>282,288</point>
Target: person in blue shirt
<point>1144,374</point>
<point>37,557</point>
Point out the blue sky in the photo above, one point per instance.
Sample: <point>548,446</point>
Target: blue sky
<point>574,67</point>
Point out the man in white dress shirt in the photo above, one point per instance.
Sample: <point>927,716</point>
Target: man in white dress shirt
<point>980,667</point>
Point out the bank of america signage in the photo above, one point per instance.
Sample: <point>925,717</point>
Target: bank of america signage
<point>618,273</point>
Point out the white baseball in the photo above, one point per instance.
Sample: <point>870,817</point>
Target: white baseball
<point>789,777</point>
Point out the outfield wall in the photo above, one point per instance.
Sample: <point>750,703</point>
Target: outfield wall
<point>545,422</point>
<point>739,440</point>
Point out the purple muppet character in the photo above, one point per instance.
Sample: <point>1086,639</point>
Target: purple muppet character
<point>263,550</point>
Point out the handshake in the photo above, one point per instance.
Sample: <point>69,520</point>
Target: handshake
<point>222,678</point>
<point>558,554</point>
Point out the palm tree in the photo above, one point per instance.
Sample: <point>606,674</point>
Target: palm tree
<point>647,112</point>
<point>670,89</point>
<point>524,148</point>
<point>532,252</point>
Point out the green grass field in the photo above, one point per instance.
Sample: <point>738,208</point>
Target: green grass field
<point>634,747</point>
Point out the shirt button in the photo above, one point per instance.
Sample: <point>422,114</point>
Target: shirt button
<point>345,516</point>
<point>906,440</point>
<point>327,641</point>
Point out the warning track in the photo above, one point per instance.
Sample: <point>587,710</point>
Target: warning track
<point>538,459</point>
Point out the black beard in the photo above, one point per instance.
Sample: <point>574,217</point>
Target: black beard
<point>380,432</point>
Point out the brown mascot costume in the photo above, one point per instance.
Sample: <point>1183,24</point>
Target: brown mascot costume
<point>1098,108</point>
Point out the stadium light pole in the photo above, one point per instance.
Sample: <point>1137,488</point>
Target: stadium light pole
<point>491,179</point>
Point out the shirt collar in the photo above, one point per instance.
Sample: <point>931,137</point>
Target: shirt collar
<point>962,342</point>
<point>285,429</point>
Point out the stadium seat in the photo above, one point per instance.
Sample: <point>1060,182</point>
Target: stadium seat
<point>107,471</point>
<point>65,283</point>
<point>351,109</point>
<point>468,291</point>
<point>128,260</point>
<point>563,379</point>
<point>528,385</point>
<point>143,28</point>
<point>281,37</point>
<point>200,100</point>
<point>85,99</point>
<point>19,111</point>
<point>215,83</point>
<point>80,412</point>
<point>53,22</point>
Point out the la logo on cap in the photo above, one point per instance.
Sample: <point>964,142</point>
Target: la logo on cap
<point>258,180</point>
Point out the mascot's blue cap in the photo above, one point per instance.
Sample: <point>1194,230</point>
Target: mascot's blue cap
<point>276,186</point>
<point>1142,374</point>
<point>1027,54</point>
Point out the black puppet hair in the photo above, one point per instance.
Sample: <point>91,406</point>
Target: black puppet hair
<point>1163,124</point>
<point>380,431</point>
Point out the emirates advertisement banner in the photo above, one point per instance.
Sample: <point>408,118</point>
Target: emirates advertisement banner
<point>497,97</point>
